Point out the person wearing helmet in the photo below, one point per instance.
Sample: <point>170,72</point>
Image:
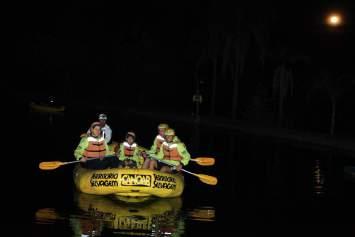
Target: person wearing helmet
<point>92,150</point>
<point>129,154</point>
<point>155,148</point>
<point>105,128</point>
<point>159,139</point>
<point>173,153</point>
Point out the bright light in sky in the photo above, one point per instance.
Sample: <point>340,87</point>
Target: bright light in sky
<point>334,19</point>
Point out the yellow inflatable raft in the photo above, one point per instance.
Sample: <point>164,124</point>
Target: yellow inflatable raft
<point>128,182</point>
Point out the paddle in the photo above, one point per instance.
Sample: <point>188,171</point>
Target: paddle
<point>207,179</point>
<point>51,165</point>
<point>204,161</point>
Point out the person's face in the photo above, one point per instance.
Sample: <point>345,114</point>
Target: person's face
<point>130,140</point>
<point>161,131</point>
<point>96,131</point>
<point>169,138</point>
<point>102,122</point>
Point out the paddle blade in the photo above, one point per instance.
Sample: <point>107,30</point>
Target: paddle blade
<point>204,161</point>
<point>50,165</point>
<point>207,179</point>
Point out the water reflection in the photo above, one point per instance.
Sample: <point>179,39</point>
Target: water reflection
<point>47,216</point>
<point>318,178</point>
<point>157,217</point>
<point>94,215</point>
<point>205,213</point>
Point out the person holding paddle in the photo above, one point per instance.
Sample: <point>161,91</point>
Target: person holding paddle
<point>93,151</point>
<point>106,130</point>
<point>155,148</point>
<point>172,154</point>
<point>159,139</point>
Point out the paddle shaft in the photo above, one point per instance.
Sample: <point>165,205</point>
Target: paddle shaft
<point>76,161</point>
<point>187,171</point>
<point>172,165</point>
<point>204,178</point>
<point>89,158</point>
<point>71,162</point>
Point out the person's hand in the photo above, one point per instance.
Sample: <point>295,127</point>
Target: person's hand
<point>83,159</point>
<point>179,167</point>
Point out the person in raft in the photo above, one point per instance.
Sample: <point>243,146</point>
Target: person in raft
<point>129,153</point>
<point>172,154</point>
<point>106,130</point>
<point>155,148</point>
<point>93,151</point>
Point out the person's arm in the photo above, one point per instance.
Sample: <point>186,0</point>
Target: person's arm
<point>136,154</point>
<point>153,148</point>
<point>185,155</point>
<point>121,152</point>
<point>79,151</point>
<point>160,154</point>
<point>108,152</point>
<point>108,134</point>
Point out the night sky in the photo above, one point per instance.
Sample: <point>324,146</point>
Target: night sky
<point>157,54</point>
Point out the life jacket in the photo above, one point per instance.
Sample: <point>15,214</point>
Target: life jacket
<point>170,151</point>
<point>159,140</point>
<point>128,150</point>
<point>96,148</point>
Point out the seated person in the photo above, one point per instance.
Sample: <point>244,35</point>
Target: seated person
<point>172,155</point>
<point>93,151</point>
<point>129,153</point>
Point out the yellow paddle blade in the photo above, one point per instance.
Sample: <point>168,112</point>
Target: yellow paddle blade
<point>50,165</point>
<point>204,161</point>
<point>211,180</point>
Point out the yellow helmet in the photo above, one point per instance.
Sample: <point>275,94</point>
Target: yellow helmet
<point>163,126</point>
<point>169,132</point>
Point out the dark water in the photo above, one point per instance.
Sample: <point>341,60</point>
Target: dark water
<point>264,186</point>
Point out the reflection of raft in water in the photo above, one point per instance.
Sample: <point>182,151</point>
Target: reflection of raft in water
<point>44,108</point>
<point>128,182</point>
<point>139,217</point>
